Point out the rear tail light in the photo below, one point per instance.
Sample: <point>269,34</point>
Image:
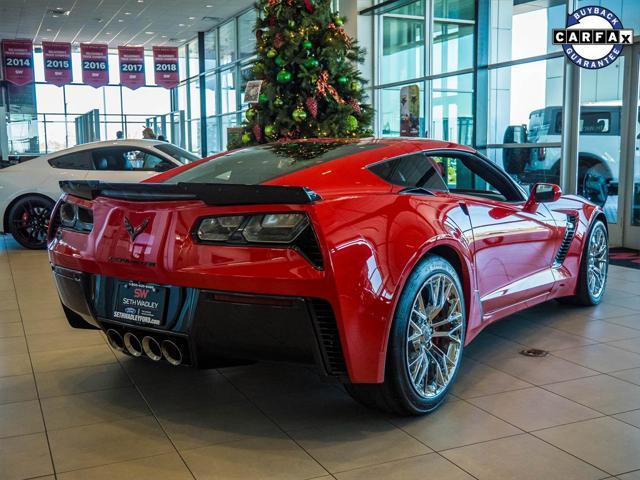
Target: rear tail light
<point>74,217</point>
<point>260,228</point>
<point>542,153</point>
<point>289,230</point>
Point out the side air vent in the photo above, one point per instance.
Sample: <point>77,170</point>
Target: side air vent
<point>328,337</point>
<point>570,231</point>
<point>307,244</point>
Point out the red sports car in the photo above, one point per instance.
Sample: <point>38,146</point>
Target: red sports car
<point>375,260</point>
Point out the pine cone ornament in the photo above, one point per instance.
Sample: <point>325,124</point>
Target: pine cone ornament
<point>257,132</point>
<point>312,106</point>
<point>278,40</point>
<point>355,105</point>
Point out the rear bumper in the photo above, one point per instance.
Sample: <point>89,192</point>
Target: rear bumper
<point>218,328</point>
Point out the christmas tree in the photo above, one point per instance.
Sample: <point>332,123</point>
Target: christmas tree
<point>311,86</point>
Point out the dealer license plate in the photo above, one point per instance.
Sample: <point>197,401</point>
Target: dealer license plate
<point>140,303</point>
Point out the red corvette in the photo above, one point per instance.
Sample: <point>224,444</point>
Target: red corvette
<point>375,260</point>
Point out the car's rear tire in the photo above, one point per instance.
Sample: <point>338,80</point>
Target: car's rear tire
<point>426,343</point>
<point>29,221</point>
<point>594,268</point>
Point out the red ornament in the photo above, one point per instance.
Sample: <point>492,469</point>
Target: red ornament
<point>355,105</point>
<point>278,40</point>
<point>257,132</point>
<point>312,106</point>
<point>308,5</point>
<point>272,21</point>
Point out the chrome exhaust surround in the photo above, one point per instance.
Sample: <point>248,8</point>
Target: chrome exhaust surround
<point>171,352</point>
<point>115,340</point>
<point>151,348</point>
<point>132,344</point>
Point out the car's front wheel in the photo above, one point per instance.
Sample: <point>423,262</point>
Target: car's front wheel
<point>425,343</point>
<point>29,221</point>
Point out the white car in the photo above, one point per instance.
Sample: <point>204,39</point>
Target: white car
<point>29,190</point>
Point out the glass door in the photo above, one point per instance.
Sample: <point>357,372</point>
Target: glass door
<point>630,165</point>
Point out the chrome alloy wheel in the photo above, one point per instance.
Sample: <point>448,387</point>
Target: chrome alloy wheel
<point>597,261</point>
<point>434,336</point>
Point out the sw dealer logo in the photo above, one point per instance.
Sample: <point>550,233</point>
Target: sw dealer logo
<point>594,37</point>
<point>140,293</point>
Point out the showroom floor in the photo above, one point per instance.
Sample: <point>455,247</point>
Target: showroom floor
<point>69,405</point>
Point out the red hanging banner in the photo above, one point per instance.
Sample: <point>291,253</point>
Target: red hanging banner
<point>17,61</point>
<point>95,64</point>
<point>165,66</point>
<point>131,67</point>
<point>57,62</point>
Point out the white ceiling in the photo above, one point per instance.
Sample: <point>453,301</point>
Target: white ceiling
<point>116,22</point>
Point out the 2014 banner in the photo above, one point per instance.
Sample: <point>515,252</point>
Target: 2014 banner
<point>131,67</point>
<point>165,66</point>
<point>57,62</point>
<point>95,64</point>
<point>17,61</point>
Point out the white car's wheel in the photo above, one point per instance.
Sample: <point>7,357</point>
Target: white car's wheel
<point>29,221</point>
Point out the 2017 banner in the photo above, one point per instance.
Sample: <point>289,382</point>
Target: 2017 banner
<point>17,61</point>
<point>95,64</point>
<point>165,66</point>
<point>131,67</point>
<point>57,62</point>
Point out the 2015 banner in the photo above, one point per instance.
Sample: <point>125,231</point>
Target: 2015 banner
<point>95,64</point>
<point>17,61</point>
<point>165,66</point>
<point>57,62</point>
<point>131,67</point>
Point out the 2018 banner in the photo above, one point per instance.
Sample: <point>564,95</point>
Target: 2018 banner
<point>95,64</point>
<point>57,62</point>
<point>131,67</point>
<point>165,66</point>
<point>17,61</point>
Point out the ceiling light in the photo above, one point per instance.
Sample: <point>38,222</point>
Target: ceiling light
<point>120,20</point>
<point>127,13</point>
<point>181,24</point>
<point>108,33</point>
<point>209,6</point>
<point>192,18</point>
<point>48,29</point>
<point>149,33</point>
<point>57,12</point>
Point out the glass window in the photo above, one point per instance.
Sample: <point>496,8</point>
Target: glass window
<point>454,9</point>
<point>213,138</point>
<point>182,62</point>
<point>246,36</point>
<point>403,39</point>
<point>453,46</point>
<point>256,165</point>
<point>415,170</point>
<point>627,10</point>
<point>523,95</point>
<point>210,82</point>
<point>228,90</point>
<point>73,161</point>
<point>228,121</point>
<point>194,62</point>
<point>522,29</point>
<point>210,49</point>
<point>126,159</point>
<point>452,109</point>
<point>398,106</point>
<point>50,98</point>
<point>194,98</point>
<point>599,140</point>
<point>228,43</point>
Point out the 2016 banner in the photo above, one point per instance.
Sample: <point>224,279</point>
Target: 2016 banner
<point>95,64</point>
<point>165,66</point>
<point>131,67</point>
<point>57,62</point>
<point>17,56</point>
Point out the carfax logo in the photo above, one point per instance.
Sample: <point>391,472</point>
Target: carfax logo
<point>594,37</point>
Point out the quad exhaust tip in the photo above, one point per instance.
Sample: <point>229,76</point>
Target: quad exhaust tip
<point>132,344</point>
<point>171,352</point>
<point>151,348</point>
<point>115,340</point>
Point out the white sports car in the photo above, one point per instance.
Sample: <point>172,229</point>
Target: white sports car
<point>29,190</point>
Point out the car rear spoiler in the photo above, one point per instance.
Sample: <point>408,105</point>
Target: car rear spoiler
<point>209,193</point>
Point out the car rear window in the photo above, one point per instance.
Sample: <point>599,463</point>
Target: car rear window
<point>177,153</point>
<point>414,170</point>
<point>254,165</point>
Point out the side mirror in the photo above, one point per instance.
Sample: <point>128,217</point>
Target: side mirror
<point>515,134</point>
<point>542,193</point>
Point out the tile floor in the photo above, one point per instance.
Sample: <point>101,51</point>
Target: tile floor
<point>72,409</point>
